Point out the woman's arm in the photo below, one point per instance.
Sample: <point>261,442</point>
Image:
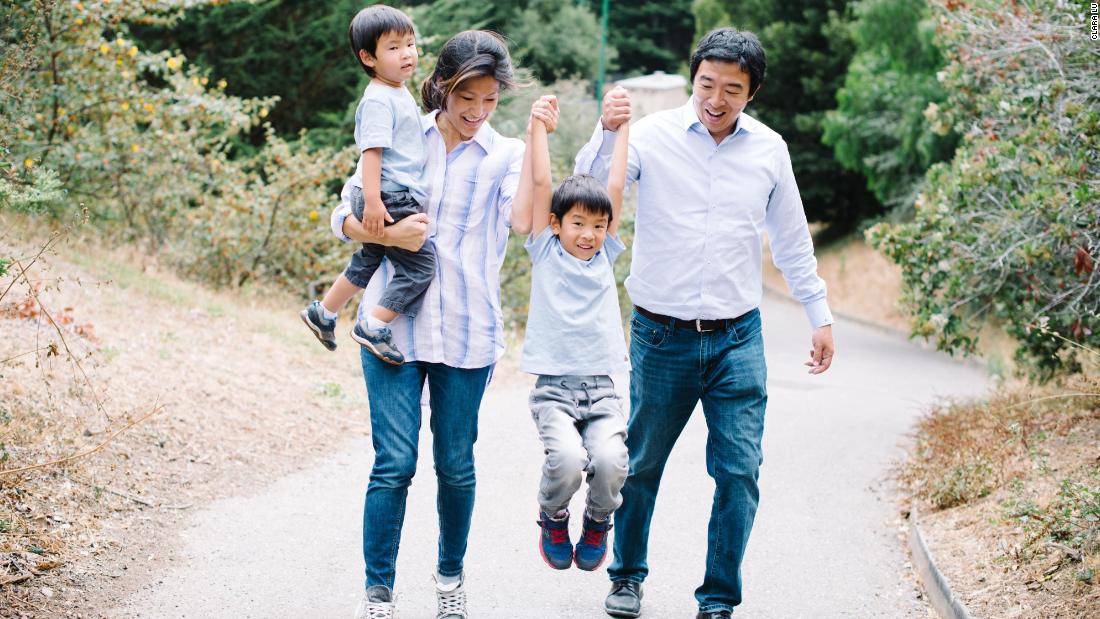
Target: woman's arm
<point>616,178</point>
<point>544,113</point>
<point>521,203</point>
<point>409,233</point>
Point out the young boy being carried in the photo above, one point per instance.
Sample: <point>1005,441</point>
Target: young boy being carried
<point>387,186</point>
<point>574,343</point>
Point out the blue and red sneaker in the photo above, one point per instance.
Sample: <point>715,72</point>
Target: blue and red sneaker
<point>592,547</point>
<point>554,544</point>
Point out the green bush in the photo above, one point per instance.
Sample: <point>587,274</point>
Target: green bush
<point>1010,228</point>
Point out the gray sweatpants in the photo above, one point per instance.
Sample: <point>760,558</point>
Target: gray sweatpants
<point>582,425</point>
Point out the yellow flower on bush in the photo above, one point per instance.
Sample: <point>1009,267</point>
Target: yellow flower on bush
<point>125,105</point>
<point>133,52</point>
<point>148,107</point>
<point>78,21</point>
<point>174,63</point>
<point>314,216</point>
<point>28,163</point>
<point>263,112</point>
<point>205,81</point>
<point>104,48</point>
<point>222,84</point>
<point>135,148</point>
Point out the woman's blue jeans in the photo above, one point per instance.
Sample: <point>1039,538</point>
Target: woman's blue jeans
<point>394,395</point>
<point>672,369</point>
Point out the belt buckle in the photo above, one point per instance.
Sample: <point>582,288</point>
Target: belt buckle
<point>699,326</point>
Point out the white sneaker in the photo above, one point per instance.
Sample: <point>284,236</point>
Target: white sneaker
<point>451,599</point>
<point>377,603</point>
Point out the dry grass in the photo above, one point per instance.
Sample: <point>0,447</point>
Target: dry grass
<point>1016,482</point>
<point>243,396</point>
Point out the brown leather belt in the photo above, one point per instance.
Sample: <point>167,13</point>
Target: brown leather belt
<point>699,325</point>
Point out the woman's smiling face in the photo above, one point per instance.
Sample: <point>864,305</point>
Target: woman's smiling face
<point>470,105</point>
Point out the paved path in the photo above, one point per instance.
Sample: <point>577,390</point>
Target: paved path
<point>825,542</point>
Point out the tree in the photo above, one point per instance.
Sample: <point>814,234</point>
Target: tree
<point>538,44</point>
<point>283,48</point>
<point>879,128</point>
<point>1009,229</point>
<point>650,36</point>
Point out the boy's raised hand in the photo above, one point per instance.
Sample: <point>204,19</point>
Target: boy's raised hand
<point>545,109</point>
<point>375,217</point>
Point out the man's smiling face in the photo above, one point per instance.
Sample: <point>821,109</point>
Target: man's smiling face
<point>719,93</point>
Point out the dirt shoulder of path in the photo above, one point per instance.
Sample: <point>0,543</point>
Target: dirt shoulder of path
<point>244,395</point>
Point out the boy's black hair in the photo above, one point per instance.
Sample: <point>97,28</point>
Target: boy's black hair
<point>731,45</point>
<point>580,190</point>
<point>370,24</point>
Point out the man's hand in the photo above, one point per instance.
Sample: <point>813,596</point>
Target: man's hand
<point>616,108</point>
<point>408,234</point>
<point>821,355</point>
<point>546,110</point>
<point>375,218</point>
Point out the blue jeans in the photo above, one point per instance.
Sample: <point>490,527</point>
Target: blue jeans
<point>672,369</point>
<point>394,394</point>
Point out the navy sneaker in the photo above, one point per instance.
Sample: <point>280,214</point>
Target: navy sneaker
<point>554,544</point>
<point>379,342</point>
<point>325,330</point>
<point>592,547</point>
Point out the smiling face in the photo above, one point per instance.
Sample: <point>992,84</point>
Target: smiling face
<point>394,58</point>
<point>468,107</point>
<point>719,93</point>
<point>581,232</point>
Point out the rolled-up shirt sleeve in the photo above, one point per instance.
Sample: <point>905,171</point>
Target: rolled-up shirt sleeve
<point>791,243</point>
<point>595,156</point>
<point>509,184</point>
<point>339,214</point>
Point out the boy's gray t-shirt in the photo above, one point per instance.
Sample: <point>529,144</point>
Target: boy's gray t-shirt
<point>574,326</point>
<point>388,118</point>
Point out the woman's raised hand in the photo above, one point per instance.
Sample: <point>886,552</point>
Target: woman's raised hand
<point>545,108</point>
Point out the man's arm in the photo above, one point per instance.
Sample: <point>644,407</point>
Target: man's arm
<point>793,254</point>
<point>595,157</point>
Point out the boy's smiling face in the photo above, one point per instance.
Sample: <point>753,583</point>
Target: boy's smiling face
<point>394,58</point>
<point>581,232</point>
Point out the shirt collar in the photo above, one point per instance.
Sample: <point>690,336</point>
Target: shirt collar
<point>483,137</point>
<point>688,119</point>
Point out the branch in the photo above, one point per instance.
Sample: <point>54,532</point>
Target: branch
<point>156,409</point>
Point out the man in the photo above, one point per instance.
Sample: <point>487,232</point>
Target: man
<point>711,181</point>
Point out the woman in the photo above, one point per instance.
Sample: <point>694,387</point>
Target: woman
<point>472,175</point>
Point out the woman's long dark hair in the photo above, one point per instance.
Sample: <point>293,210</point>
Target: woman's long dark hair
<point>469,54</point>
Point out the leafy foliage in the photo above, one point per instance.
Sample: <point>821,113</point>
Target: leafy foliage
<point>879,128</point>
<point>650,36</point>
<point>144,139</point>
<point>1010,228</point>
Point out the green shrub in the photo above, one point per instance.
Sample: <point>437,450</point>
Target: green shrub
<point>1010,228</point>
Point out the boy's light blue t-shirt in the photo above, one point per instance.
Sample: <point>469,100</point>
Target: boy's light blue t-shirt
<point>574,326</point>
<point>388,118</point>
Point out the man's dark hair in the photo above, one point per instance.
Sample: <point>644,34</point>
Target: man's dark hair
<point>580,190</point>
<point>467,55</point>
<point>731,45</point>
<point>370,24</point>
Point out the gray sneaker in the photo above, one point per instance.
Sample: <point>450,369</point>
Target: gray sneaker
<point>451,600</point>
<point>377,603</point>
<point>325,330</point>
<point>625,599</point>
<point>378,342</point>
